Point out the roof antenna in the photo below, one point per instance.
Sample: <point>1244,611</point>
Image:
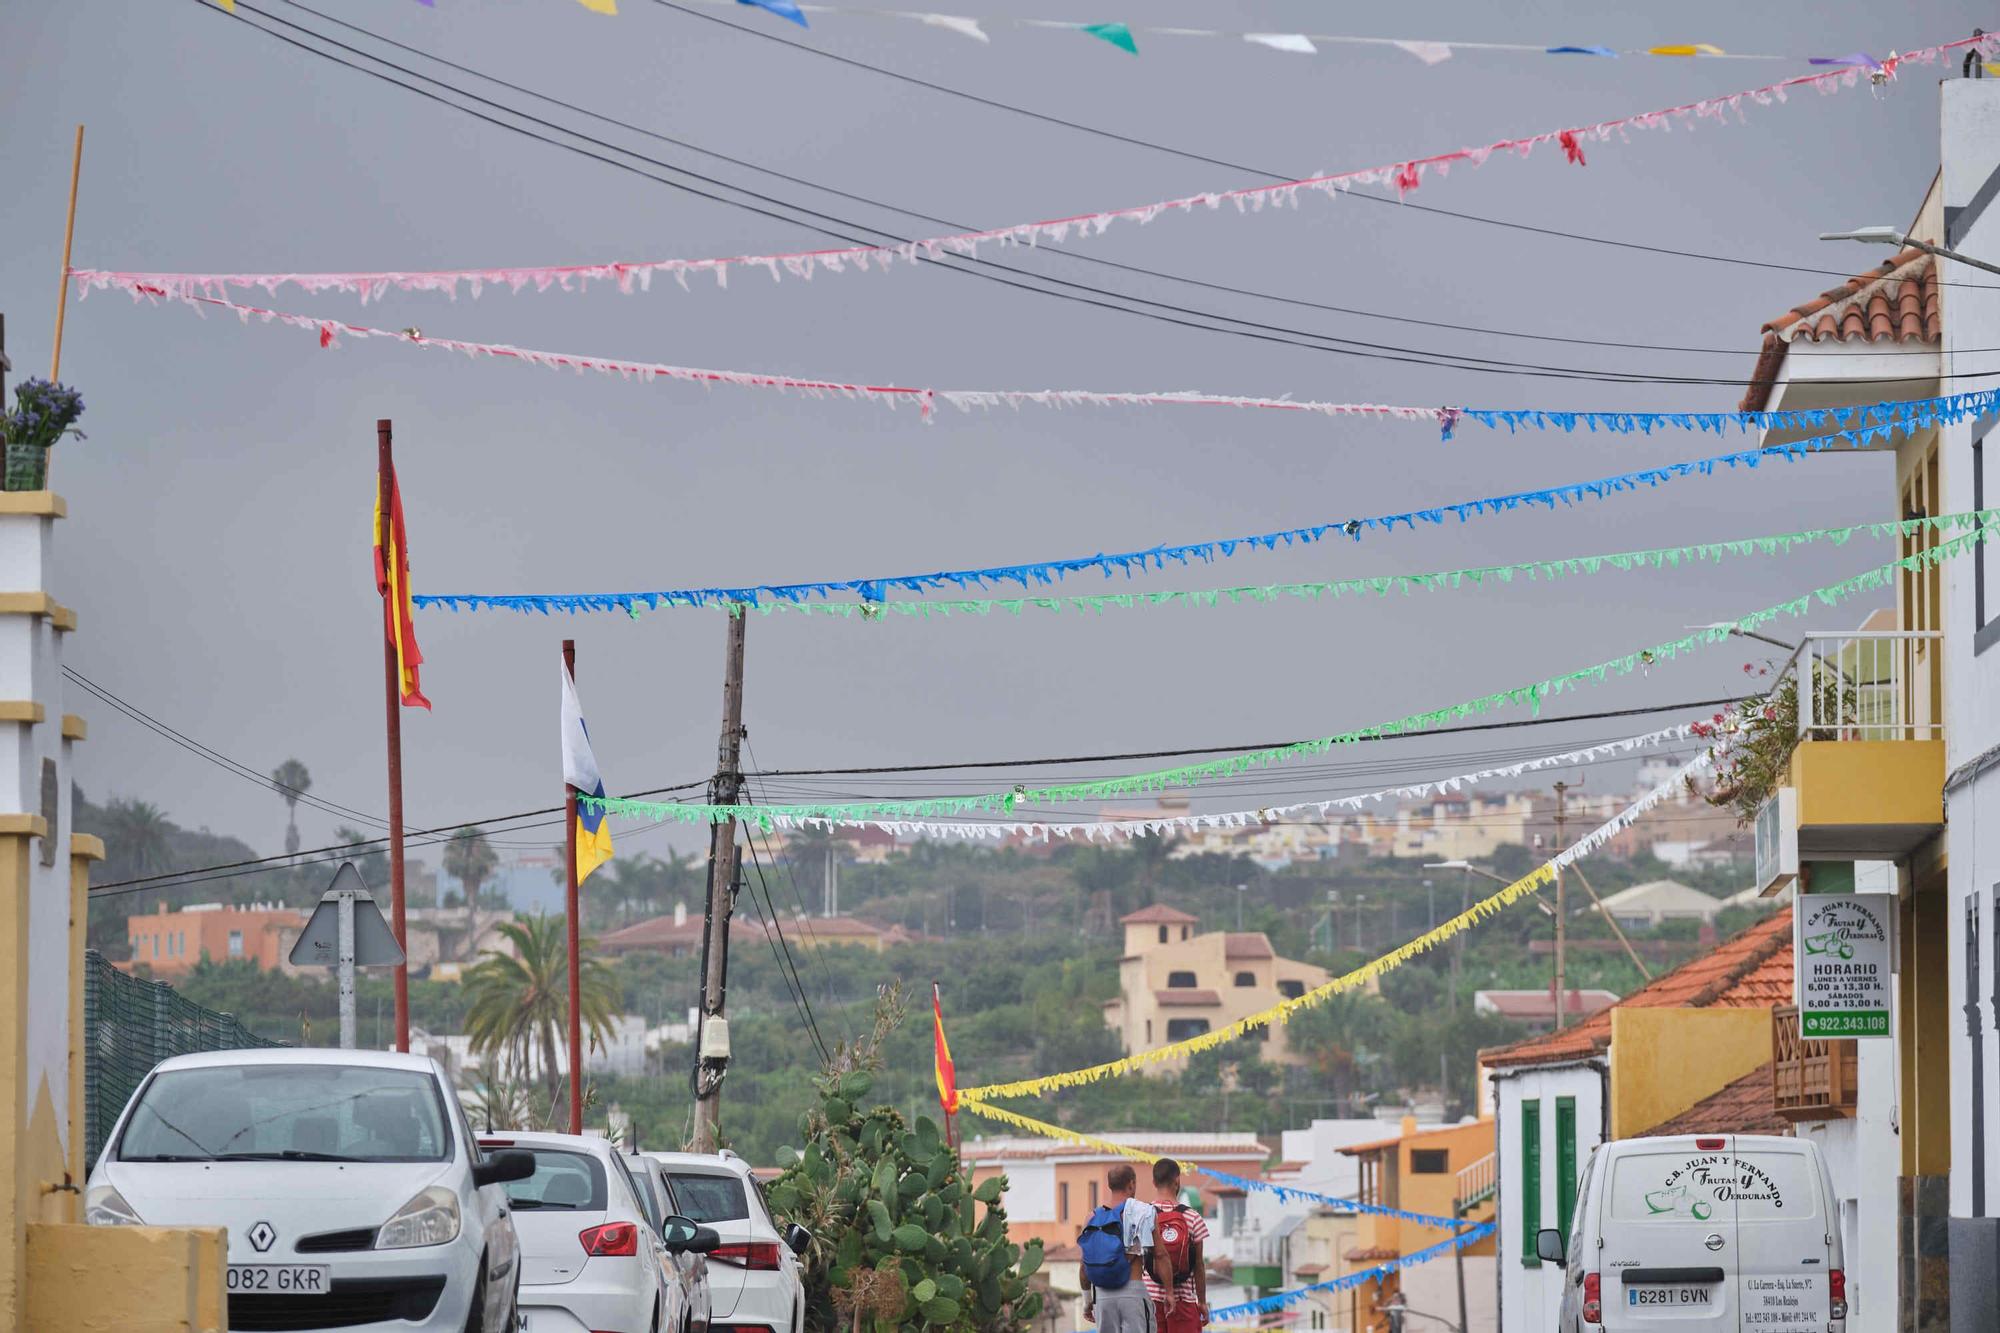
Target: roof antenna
<point>1974,67</point>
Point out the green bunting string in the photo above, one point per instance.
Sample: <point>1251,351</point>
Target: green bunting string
<point>1532,696</point>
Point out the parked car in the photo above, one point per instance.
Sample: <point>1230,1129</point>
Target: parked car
<point>590,1257</point>
<point>1701,1235</point>
<point>352,1189</point>
<point>754,1284</point>
<point>689,1267</point>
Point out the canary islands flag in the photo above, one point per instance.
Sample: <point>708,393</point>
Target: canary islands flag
<point>593,833</point>
<point>392,580</point>
<point>947,1076</point>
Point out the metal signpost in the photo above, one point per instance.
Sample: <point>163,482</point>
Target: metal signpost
<point>347,932</point>
<point>1841,954</point>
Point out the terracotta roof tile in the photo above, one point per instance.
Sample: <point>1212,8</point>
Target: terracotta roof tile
<point>1185,997</point>
<point>1157,914</point>
<point>1752,970</point>
<point>1742,1107</point>
<point>1247,944</point>
<point>1896,301</point>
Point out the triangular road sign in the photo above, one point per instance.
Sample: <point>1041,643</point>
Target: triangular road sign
<point>319,943</point>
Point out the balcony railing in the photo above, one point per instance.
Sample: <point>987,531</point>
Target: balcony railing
<point>1476,1184</point>
<point>1811,1080</point>
<point>1870,686</point>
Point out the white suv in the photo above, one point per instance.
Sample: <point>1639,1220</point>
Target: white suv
<point>351,1187</point>
<point>753,1275</point>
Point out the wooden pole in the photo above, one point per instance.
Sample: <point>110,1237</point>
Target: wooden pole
<point>724,790</point>
<point>572,919</point>
<point>392,686</point>
<point>69,236</point>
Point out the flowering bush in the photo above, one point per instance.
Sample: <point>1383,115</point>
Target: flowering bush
<point>1752,745</point>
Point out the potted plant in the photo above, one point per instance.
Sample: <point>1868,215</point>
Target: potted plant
<point>44,411</point>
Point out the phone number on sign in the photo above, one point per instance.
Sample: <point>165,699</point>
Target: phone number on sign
<point>1846,1025</point>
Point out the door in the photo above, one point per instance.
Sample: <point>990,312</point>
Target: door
<point>1667,1238</point>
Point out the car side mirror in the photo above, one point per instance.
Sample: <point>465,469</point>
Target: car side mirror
<point>797,1238</point>
<point>502,1167</point>
<point>681,1235</point>
<point>1549,1245</point>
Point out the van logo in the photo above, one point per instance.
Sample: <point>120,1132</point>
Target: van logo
<point>1679,1202</point>
<point>262,1236</point>
<point>1713,1242</point>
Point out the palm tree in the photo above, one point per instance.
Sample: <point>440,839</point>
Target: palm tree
<point>516,1002</point>
<point>135,834</point>
<point>470,859</point>
<point>292,782</point>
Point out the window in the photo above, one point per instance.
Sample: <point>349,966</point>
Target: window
<point>1163,934</point>
<point>1062,1202</point>
<point>1231,1219</point>
<point>1246,978</point>
<point>705,1197</point>
<point>1430,1161</point>
<point>235,944</point>
<point>1565,1158</point>
<point>1184,932</point>
<point>571,1181</point>
<point>1180,1029</point>
<point>1531,1181</point>
<point>1291,990</point>
<point>1093,1196</point>
<point>358,1112</point>
<point>1180,981</point>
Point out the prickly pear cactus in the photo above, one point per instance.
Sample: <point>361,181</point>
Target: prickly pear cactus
<point>892,1211</point>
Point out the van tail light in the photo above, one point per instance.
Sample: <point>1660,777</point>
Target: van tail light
<point>1837,1284</point>
<point>758,1256</point>
<point>1593,1298</point>
<point>613,1240</point>
<point>1711,1145</point>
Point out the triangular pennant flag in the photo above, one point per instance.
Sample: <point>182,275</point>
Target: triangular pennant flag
<point>1582,51</point>
<point>784,9</point>
<point>600,6</point>
<point>1283,41</point>
<point>964,27</point>
<point>1117,34</point>
<point>1686,49</point>
<point>1431,53</point>
<point>1861,58</point>
<point>228,5</point>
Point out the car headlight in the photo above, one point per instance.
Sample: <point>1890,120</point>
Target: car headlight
<point>429,1219</point>
<point>106,1207</point>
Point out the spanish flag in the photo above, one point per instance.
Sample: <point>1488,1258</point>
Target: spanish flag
<point>947,1077</point>
<point>593,832</point>
<point>392,580</point>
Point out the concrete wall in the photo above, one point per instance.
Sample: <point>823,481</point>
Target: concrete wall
<point>1530,1292</point>
<point>1665,1060</point>
<point>125,1280</point>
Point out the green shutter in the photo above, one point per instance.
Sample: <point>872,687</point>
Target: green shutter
<point>1531,1181</point>
<point>1565,1160</point>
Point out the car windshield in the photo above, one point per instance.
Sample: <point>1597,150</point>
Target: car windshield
<point>571,1180</point>
<point>707,1198</point>
<point>287,1112</point>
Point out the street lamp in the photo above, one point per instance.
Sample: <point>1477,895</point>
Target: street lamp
<point>1890,236</point>
<point>1747,634</point>
<point>1466,865</point>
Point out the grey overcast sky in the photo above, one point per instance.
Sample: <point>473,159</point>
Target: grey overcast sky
<point>217,548</point>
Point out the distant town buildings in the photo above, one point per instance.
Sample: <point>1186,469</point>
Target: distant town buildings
<point>1175,984</point>
<point>679,935</point>
<point>1644,906</point>
<point>170,944</point>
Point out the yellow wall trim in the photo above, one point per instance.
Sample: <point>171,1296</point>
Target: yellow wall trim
<point>86,847</point>
<point>1869,782</point>
<point>33,826</point>
<point>37,604</point>
<point>20,710</point>
<point>33,502</point>
<point>74,727</point>
<point>84,1279</point>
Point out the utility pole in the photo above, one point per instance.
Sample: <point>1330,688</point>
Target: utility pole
<point>573,922</point>
<point>1562,915</point>
<point>386,501</point>
<point>712,1042</point>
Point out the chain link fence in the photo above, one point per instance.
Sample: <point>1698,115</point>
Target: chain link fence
<point>130,1025</point>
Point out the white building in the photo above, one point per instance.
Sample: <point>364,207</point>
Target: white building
<point>1644,906</point>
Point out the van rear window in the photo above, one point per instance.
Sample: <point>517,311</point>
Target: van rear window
<point>1712,1186</point>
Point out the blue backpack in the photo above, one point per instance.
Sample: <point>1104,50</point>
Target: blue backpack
<point>1102,1242</point>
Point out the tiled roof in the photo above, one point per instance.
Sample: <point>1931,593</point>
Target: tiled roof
<point>1752,970</point>
<point>1374,1255</point>
<point>1894,302</point>
<point>1182,997</point>
<point>1742,1107</point>
<point>1247,944</point>
<point>1157,914</point>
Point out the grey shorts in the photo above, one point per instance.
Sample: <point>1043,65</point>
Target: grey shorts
<point>1126,1310</point>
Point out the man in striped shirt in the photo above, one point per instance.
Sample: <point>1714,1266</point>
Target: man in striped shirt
<point>1189,1310</point>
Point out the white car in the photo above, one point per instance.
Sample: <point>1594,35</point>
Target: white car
<point>591,1260</point>
<point>353,1192</point>
<point>753,1274</point>
<point>688,1267</point>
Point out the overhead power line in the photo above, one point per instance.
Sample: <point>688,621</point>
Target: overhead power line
<point>1026,280</point>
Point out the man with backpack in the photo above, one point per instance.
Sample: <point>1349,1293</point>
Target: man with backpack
<point>1181,1298</point>
<point>1119,1260</point>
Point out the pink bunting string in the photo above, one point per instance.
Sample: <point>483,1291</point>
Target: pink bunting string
<point>1404,176</point>
<point>330,331</point>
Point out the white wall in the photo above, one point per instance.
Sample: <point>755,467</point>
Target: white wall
<point>1031,1190</point>
<point>1530,1297</point>
<point>1863,1156</point>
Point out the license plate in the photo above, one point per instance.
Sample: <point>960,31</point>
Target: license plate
<point>1682,1297</point>
<point>281,1279</point>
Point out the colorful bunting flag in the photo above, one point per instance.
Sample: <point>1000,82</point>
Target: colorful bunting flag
<point>784,9</point>
<point>964,27</point>
<point>1283,41</point>
<point>1431,53</point>
<point>1583,51</point>
<point>1117,34</point>
<point>600,6</point>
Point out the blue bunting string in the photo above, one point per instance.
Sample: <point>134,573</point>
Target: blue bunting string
<point>1279,1300</point>
<point>1287,1193</point>
<point>1906,414</point>
<point>1130,563</point>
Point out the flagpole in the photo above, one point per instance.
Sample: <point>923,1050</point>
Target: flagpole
<point>69,237</point>
<point>392,679</point>
<point>570,912</point>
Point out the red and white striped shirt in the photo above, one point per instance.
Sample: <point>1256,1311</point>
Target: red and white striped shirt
<point>1184,1288</point>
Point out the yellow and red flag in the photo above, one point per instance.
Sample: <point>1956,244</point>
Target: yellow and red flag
<point>392,580</point>
<point>947,1077</point>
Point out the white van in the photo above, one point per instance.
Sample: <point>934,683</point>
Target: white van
<point>1725,1234</point>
